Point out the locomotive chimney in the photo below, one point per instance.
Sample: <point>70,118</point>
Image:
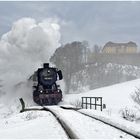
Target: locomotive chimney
<point>46,65</point>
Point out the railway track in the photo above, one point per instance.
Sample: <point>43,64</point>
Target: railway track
<point>78,125</point>
<point>112,124</point>
<point>75,122</point>
<point>107,122</point>
<point>70,133</point>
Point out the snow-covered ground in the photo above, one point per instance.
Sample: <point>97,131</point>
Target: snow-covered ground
<point>116,97</point>
<point>43,124</point>
<point>129,127</point>
<point>86,127</point>
<point>33,124</point>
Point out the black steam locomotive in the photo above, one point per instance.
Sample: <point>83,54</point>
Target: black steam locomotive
<point>45,89</point>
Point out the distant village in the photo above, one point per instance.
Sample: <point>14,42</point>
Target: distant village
<point>120,48</point>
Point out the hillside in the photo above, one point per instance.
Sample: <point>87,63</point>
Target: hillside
<point>116,97</point>
<point>98,75</point>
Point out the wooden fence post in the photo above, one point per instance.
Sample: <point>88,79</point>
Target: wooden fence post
<point>22,104</point>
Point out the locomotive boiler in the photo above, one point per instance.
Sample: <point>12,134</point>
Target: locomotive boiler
<point>45,89</point>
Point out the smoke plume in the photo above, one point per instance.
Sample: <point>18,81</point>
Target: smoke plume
<point>25,48</point>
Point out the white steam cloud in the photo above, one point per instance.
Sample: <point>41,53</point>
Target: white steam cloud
<point>25,48</point>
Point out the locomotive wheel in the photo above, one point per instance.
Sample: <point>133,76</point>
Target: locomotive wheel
<point>53,101</point>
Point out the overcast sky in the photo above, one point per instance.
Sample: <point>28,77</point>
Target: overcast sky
<point>96,22</point>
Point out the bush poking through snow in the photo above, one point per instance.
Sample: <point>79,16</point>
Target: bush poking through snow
<point>128,114</point>
<point>77,104</point>
<point>136,96</point>
<point>31,116</point>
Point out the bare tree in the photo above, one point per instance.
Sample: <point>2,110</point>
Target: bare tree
<point>96,49</point>
<point>70,58</point>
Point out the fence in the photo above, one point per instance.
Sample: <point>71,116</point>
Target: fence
<point>89,102</point>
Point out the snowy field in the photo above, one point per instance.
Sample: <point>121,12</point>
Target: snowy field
<point>116,97</point>
<point>86,127</point>
<point>42,124</point>
<point>31,125</point>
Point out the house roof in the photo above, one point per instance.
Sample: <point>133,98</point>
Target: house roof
<point>112,44</point>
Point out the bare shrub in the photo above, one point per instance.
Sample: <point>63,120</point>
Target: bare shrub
<point>31,116</point>
<point>128,114</point>
<point>77,104</point>
<point>136,96</point>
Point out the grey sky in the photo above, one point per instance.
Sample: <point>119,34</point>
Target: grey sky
<point>96,22</point>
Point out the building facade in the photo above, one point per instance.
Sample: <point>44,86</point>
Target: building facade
<point>118,48</point>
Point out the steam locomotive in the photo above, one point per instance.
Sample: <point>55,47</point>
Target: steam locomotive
<point>45,89</point>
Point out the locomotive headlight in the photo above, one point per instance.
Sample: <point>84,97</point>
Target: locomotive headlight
<point>47,73</point>
<point>41,91</point>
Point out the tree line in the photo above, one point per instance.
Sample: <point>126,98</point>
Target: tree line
<point>83,67</point>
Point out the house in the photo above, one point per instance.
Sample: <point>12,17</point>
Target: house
<point>118,48</point>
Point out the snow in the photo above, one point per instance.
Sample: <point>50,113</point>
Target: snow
<point>41,124</point>
<point>117,122</point>
<point>33,124</point>
<point>85,127</point>
<point>116,97</point>
<point>44,125</point>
